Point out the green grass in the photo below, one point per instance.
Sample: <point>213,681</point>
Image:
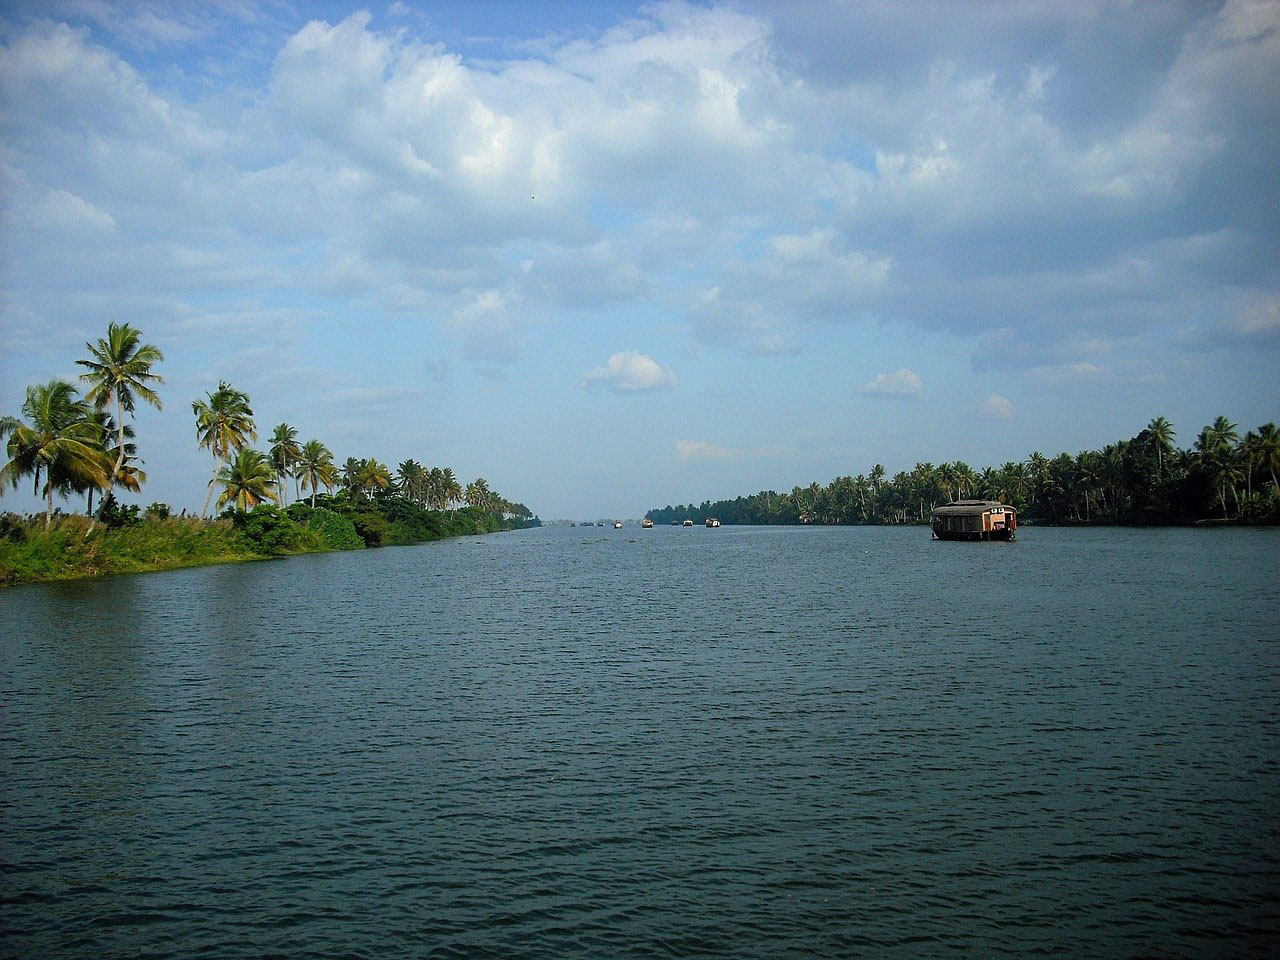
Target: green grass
<point>70,550</point>
<point>31,554</point>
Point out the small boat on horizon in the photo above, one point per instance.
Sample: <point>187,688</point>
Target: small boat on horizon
<point>617,524</point>
<point>646,523</point>
<point>712,522</point>
<point>687,523</point>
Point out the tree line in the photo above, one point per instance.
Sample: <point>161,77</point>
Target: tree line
<point>1147,479</point>
<point>67,444</point>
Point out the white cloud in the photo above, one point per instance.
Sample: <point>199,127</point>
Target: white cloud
<point>630,372</point>
<point>1258,317</point>
<point>997,407</point>
<point>904,383</point>
<point>701,450</point>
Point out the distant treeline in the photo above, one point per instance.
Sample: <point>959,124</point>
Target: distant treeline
<point>1144,480</point>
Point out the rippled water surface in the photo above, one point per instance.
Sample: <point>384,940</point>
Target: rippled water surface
<point>744,742</point>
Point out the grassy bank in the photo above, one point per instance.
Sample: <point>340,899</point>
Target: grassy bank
<point>125,541</point>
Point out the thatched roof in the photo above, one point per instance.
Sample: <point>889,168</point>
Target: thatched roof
<point>971,508</point>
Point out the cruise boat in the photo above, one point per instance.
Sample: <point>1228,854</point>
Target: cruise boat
<point>712,522</point>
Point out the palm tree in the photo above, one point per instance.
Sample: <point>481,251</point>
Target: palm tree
<point>413,480</point>
<point>374,476</point>
<point>450,487</point>
<point>126,474</point>
<point>1160,435</point>
<point>1268,450</point>
<point>351,470</point>
<point>224,424</point>
<point>315,467</point>
<point>61,442</point>
<point>247,480</point>
<point>478,494</point>
<point>119,369</point>
<point>283,453</point>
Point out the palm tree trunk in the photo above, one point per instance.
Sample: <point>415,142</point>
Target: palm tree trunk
<point>48,510</point>
<point>209,496</point>
<point>120,442</point>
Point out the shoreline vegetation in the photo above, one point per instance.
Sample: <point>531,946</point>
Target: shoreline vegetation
<point>68,445</point>
<point>1224,478</point>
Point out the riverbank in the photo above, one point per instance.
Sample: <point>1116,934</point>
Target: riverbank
<point>73,547</point>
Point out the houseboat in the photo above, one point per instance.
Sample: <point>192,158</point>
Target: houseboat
<point>646,523</point>
<point>975,520</point>
<point>712,522</point>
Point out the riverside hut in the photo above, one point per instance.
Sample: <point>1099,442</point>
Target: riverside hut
<point>975,520</point>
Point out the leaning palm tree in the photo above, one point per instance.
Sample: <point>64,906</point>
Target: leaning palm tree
<point>284,453</point>
<point>120,368</point>
<point>247,480</point>
<point>60,442</point>
<point>315,467</point>
<point>224,424</point>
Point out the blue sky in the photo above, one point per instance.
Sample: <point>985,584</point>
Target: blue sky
<point>612,256</point>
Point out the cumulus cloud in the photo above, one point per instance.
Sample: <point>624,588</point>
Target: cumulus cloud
<point>997,407</point>
<point>904,383</point>
<point>701,450</point>
<point>630,372</point>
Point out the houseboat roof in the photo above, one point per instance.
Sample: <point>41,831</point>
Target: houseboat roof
<point>971,508</point>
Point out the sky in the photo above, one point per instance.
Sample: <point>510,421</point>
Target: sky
<point>612,256</point>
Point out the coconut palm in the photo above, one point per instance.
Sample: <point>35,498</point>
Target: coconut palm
<point>61,442</point>
<point>478,494</point>
<point>119,370</point>
<point>413,480</point>
<point>374,476</point>
<point>1160,435</point>
<point>224,425</point>
<point>315,467</point>
<point>351,470</point>
<point>1267,447</point>
<point>247,480</point>
<point>451,489</point>
<point>284,454</point>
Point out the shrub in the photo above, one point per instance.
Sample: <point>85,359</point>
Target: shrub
<point>337,531</point>
<point>12,528</point>
<point>270,530</point>
<point>158,511</point>
<point>112,514</point>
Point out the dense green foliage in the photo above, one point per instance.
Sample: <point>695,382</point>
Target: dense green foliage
<point>125,540</point>
<point>1145,480</point>
<point>30,552</point>
<point>69,445</point>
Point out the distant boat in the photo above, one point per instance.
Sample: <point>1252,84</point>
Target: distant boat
<point>646,523</point>
<point>687,523</point>
<point>712,522</point>
<point>586,523</point>
<point>599,523</point>
<point>617,524</point>
<point>675,523</point>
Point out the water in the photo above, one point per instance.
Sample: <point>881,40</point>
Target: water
<point>746,742</point>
